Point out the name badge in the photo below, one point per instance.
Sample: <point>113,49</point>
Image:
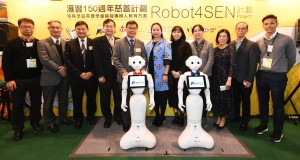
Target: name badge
<point>29,44</point>
<point>90,48</point>
<point>267,62</point>
<point>138,50</point>
<point>31,63</point>
<point>270,48</point>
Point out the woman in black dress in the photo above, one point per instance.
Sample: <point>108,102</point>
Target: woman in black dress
<point>221,95</point>
<point>181,50</point>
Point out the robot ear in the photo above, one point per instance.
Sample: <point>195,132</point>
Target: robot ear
<point>130,60</point>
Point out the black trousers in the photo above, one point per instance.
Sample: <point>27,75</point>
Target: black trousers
<point>77,95</point>
<point>160,98</point>
<point>105,95</point>
<point>32,86</point>
<point>276,83</point>
<point>241,94</point>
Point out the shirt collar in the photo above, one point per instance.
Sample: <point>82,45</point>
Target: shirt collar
<point>271,37</point>
<point>113,38</point>
<point>128,39</point>
<point>55,39</point>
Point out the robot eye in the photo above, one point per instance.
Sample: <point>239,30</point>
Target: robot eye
<point>140,62</point>
<point>192,63</point>
<point>198,62</point>
<point>133,62</point>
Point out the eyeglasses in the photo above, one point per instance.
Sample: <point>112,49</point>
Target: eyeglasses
<point>132,28</point>
<point>241,29</point>
<point>27,27</point>
<point>53,27</point>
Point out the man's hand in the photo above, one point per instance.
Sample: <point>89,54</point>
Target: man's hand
<point>11,85</point>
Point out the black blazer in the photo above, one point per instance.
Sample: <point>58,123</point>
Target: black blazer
<point>103,58</point>
<point>246,59</point>
<point>74,61</point>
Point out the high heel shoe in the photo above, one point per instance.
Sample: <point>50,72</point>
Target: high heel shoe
<point>221,127</point>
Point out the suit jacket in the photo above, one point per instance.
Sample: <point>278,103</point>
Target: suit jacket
<point>74,61</point>
<point>50,60</point>
<point>103,58</point>
<point>246,59</point>
<point>121,53</point>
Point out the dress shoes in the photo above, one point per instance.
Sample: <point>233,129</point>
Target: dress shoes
<point>53,128</point>
<point>221,127</point>
<point>78,124</point>
<point>243,127</point>
<point>107,123</point>
<point>66,122</point>
<point>18,135</point>
<point>126,126</point>
<point>92,120</point>
<point>37,127</point>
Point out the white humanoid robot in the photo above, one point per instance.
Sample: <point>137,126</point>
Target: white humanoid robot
<point>138,134</point>
<point>194,135</point>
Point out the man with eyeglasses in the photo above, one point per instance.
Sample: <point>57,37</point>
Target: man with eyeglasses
<point>54,76</point>
<point>22,72</point>
<point>124,48</point>
<point>107,73</point>
<point>246,58</point>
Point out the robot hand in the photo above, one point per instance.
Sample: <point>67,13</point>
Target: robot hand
<point>180,105</point>
<point>124,106</point>
<point>151,105</point>
<point>208,106</point>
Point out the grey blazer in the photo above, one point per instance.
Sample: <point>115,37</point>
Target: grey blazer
<point>121,54</point>
<point>50,60</point>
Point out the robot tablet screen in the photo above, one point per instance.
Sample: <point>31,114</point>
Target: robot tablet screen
<point>137,81</point>
<point>196,82</point>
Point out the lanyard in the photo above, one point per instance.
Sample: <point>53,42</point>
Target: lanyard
<point>268,53</point>
<point>25,48</point>
<point>201,46</point>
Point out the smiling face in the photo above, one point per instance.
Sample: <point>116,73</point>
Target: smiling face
<point>270,25</point>
<point>136,62</point>
<point>193,62</point>
<point>176,35</point>
<point>82,31</point>
<point>156,31</point>
<point>223,38</point>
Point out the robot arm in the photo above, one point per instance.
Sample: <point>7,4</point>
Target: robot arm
<point>124,93</point>
<point>207,94</point>
<point>180,91</point>
<point>151,91</point>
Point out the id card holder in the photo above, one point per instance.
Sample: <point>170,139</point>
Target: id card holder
<point>270,48</point>
<point>31,63</point>
<point>267,62</point>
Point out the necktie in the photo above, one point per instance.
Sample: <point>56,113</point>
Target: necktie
<point>83,51</point>
<point>111,42</point>
<point>57,42</point>
<point>132,47</point>
<point>197,73</point>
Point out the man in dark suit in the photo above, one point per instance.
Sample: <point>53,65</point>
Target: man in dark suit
<point>107,73</point>
<point>245,66</point>
<point>81,70</point>
<point>54,76</point>
<point>123,49</point>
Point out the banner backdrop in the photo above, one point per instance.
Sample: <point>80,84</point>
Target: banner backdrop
<point>213,15</point>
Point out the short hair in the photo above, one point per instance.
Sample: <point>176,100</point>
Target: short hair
<point>156,23</point>
<point>28,20</point>
<point>178,28</point>
<point>269,16</point>
<point>81,23</point>
<point>240,23</point>
<point>197,25</point>
<point>107,21</point>
<point>131,22</point>
<point>54,21</point>
<point>225,31</point>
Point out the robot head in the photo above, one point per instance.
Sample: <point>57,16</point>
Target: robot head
<point>136,62</point>
<point>193,62</point>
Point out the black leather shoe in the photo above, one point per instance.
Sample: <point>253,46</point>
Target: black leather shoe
<point>119,121</point>
<point>107,123</point>
<point>126,126</point>
<point>221,127</point>
<point>243,127</point>
<point>37,127</point>
<point>92,120</point>
<point>53,128</point>
<point>18,135</point>
<point>78,124</point>
<point>66,122</point>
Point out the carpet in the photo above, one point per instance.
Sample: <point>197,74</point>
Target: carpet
<point>105,142</point>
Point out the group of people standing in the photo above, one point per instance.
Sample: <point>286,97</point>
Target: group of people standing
<point>51,65</point>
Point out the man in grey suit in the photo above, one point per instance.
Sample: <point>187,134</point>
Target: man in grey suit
<point>54,76</point>
<point>246,59</point>
<point>123,49</point>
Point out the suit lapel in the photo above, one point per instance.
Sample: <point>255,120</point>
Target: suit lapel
<point>126,44</point>
<point>52,45</point>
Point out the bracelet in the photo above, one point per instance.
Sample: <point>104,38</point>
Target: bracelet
<point>165,74</point>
